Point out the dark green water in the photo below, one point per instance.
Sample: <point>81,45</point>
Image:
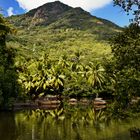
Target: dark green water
<point>70,124</point>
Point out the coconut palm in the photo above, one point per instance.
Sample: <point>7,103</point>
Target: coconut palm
<point>95,76</point>
<point>56,79</point>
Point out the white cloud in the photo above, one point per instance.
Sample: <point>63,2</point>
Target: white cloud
<point>10,11</point>
<point>87,5</point>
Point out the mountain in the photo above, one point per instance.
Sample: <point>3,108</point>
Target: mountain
<point>43,15</point>
<point>55,26</point>
<point>60,15</point>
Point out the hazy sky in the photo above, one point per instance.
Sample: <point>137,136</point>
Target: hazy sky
<point>99,8</point>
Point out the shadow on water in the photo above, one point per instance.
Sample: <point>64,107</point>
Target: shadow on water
<point>7,126</point>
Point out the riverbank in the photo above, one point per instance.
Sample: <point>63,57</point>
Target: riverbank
<point>54,102</point>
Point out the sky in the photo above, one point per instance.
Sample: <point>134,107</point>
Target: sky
<point>100,8</point>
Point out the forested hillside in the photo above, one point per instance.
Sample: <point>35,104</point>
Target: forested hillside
<point>56,26</point>
<point>60,50</point>
<point>65,51</point>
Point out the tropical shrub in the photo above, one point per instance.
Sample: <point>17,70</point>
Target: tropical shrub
<point>8,76</point>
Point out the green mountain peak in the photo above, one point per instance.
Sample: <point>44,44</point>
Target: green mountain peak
<point>59,15</point>
<point>55,26</point>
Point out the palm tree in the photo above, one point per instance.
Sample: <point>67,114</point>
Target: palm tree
<point>56,79</point>
<point>95,76</point>
<point>63,63</point>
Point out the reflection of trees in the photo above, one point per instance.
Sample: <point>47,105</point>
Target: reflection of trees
<point>40,124</point>
<point>60,123</point>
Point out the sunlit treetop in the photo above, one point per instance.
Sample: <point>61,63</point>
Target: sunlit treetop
<point>130,6</point>
<point>5,29</point>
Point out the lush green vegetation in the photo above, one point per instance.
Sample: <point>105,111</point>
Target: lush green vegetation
<point>69,56</point>
<point>66,57</point>
<point>127,64</point>
<point>62,77</point>
<point>8,76</point>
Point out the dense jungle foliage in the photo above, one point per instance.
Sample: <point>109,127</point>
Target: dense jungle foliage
<point>69,57</point>
<point>8,76</point>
